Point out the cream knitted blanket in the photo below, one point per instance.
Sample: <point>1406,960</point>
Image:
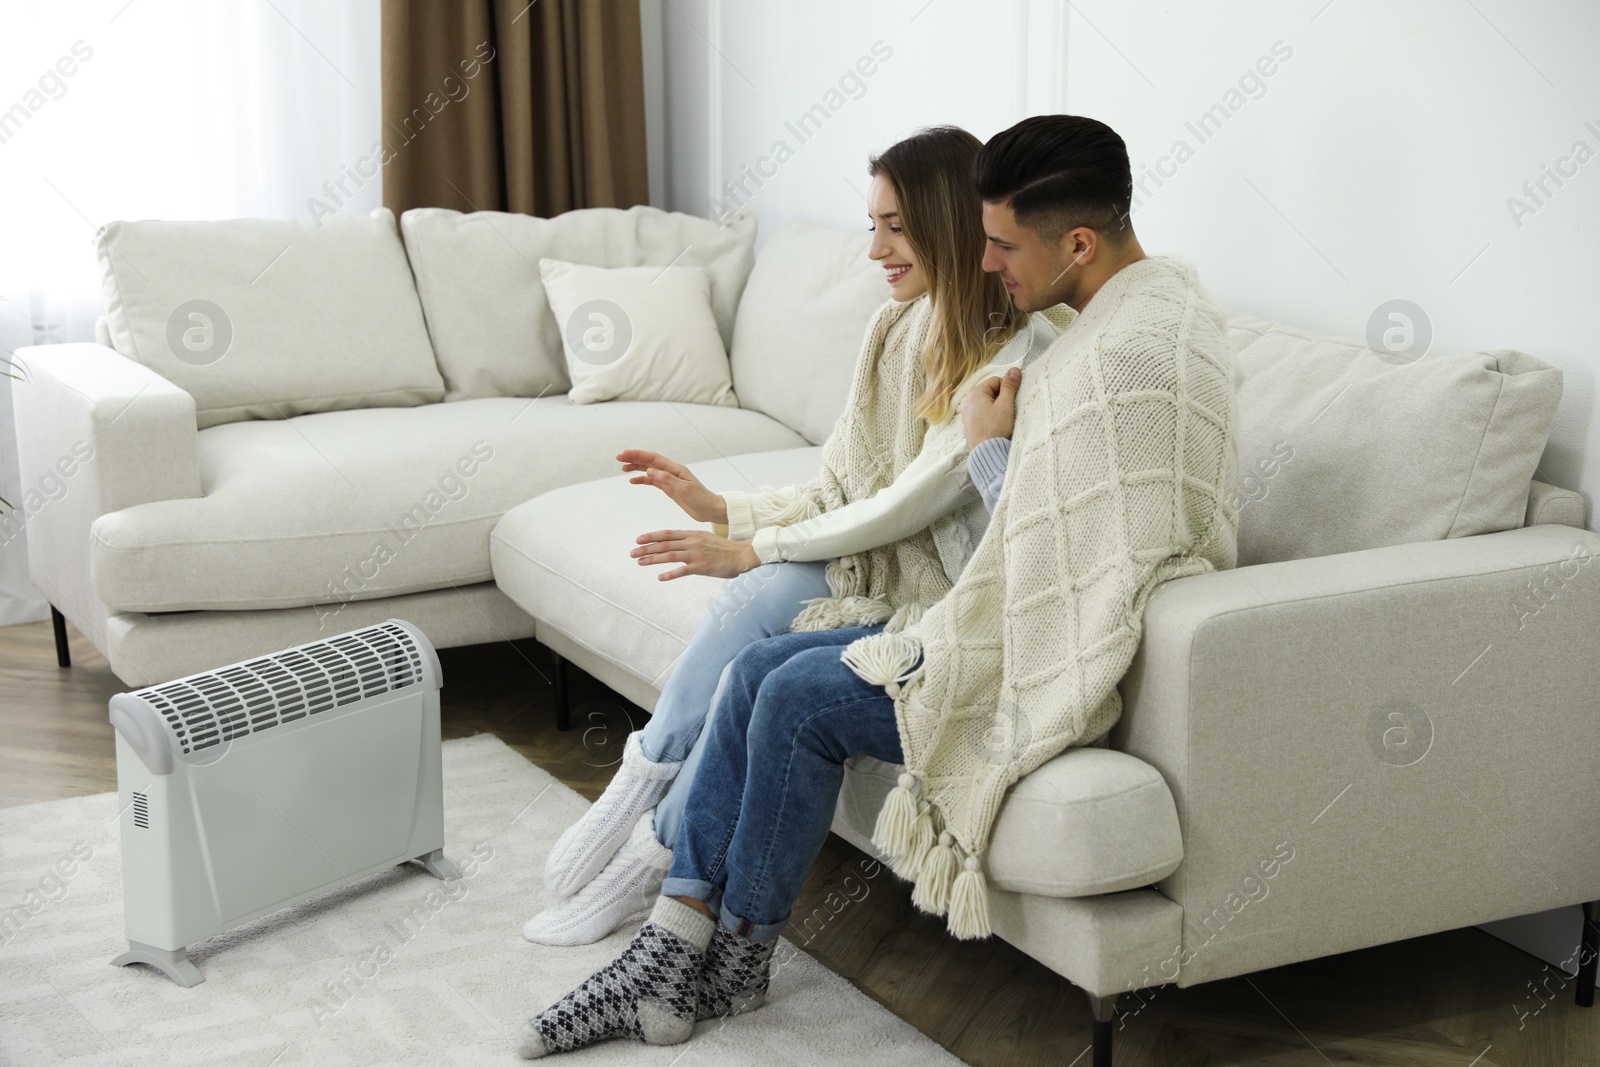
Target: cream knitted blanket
<point>1121,464</point>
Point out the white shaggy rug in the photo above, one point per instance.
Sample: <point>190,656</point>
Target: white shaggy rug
<point>398,969</point>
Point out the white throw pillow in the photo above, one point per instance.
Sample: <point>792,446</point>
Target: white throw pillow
<point>475,273</point>
<point>638,333</point>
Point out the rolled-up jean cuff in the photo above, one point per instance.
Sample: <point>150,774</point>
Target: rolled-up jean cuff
<point>676,750</point>
<point>711,896</point>
<point>745,928</point>
<point>694,888</point>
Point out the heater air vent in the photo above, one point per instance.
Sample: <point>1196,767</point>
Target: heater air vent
<point>206,710</point>
<point>141,811</point>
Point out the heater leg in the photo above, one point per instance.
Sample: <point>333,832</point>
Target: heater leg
<point>58,622</point>
<point>172,962</point>
<point>439,865</point>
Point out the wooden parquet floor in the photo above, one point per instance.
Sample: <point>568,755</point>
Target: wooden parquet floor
<point>1456,999</point>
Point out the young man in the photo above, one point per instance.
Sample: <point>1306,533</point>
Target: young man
<point>1123,459</point>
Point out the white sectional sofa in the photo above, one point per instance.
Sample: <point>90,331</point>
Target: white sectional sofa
<point>379,406</point>
<point>1349,739</point>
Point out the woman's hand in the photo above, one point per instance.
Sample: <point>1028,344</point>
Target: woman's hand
<point>675,480</point>
<point>699,552</point>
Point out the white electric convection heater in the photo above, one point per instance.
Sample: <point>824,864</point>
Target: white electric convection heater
<point>250,788</point>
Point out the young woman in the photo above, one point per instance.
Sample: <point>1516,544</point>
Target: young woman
<point>815,556</point>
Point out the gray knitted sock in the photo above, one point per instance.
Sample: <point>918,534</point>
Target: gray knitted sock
<point>650,992</point>
<point>736,975</point>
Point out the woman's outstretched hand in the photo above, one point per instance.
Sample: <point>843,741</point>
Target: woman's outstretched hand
<point>675,480</point>
<point>699,552</point>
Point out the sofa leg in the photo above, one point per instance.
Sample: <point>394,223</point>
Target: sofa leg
<point>1589,954</point>
<point>563,701</point>
<point>58,622</point>
<point>1104,1009</point>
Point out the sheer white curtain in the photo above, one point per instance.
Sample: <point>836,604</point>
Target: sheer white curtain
<point>158,109</point>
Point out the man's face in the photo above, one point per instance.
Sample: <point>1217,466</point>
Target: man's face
<point>1036,274</point>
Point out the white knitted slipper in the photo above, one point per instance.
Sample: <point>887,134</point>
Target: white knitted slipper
<point>588,845</point>
<point>627,887</point>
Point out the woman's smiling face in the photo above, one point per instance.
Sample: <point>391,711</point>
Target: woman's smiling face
<point>890,248</point>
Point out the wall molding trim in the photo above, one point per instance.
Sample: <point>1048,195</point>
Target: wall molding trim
<point>653,46</point>
<point>1043,28</point>
<point>714,102</point>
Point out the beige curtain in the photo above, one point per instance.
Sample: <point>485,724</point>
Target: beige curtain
<point>510,106</point>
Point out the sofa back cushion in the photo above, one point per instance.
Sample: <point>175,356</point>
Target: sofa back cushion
<point>1340,450</point>
<point>478,276</point>
<point>800,325</point>
<point>268,318</point>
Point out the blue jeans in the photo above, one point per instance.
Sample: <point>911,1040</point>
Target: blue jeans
<point>757,604</point>
<point>758,811</point>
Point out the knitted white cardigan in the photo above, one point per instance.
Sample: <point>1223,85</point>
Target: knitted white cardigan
<point>1121,464</point>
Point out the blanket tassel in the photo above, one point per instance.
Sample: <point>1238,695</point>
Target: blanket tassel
<point>893,830</point>
<point>932,891</point>
<point>969,903</point>
<point>921,839</point>
<point>837,612</point>
<point>905,616</point>
<point>884,659</point>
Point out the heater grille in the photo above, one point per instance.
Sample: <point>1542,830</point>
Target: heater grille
<point>209,709</point>
<point>141,811</point>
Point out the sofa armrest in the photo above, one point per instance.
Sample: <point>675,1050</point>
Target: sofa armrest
<point>96,433</point>
<point>1374,745</point>
<point>1551,504</point>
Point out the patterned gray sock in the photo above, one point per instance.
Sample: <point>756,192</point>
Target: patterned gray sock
<point>650,992</point>
<point>736,975</point>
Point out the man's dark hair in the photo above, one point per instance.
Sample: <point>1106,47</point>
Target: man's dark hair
<point>1059,172</point>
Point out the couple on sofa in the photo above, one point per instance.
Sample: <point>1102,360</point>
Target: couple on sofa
<point>1039,432</point>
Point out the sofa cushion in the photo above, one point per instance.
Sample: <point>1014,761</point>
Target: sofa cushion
<point>1089,821</point>
<point>1340,450</point>
<point>269,318</point>
<point>591,591</point>
<point>353,505</point>
<point>801,322</point>
<point>478,276</point>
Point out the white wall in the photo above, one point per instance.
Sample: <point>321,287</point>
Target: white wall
<point>1375,163</point>
<point>776,61</point>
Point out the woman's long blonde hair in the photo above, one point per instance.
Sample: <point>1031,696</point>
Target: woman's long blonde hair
<point>942,217</point>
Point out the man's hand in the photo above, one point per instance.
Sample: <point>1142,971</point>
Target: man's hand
<point>990,408</point>
<point>699,552</point>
